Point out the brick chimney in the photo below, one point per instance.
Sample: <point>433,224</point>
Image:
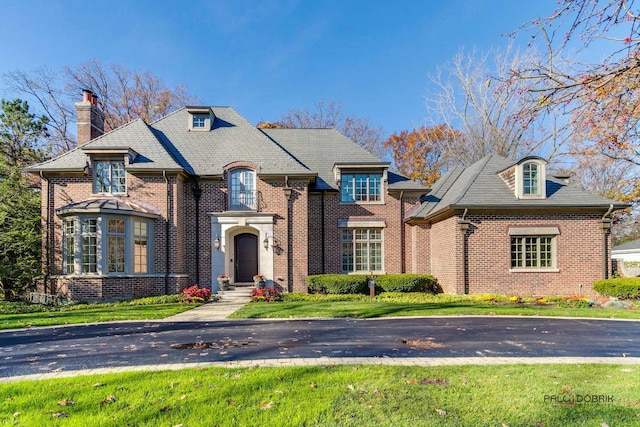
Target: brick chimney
<point>90,118</point>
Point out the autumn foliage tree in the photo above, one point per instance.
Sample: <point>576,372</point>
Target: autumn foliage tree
<point>419,154</point>
<point>600,96</point>
<point>123,95</point>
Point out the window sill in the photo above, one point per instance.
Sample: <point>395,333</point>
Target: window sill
<point>364,273</point>
<point>380,202</point>
<point>534,270</point>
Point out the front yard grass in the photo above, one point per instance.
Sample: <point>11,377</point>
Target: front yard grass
<point>513,395</point>
<point>21,315</point>
<point>421,304</point>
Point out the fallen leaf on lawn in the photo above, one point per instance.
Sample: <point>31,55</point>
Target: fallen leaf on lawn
<point>279,391</point>
<point>66,402</point>
<point>540,424</point>
<point>178,425</point>
<point>267,405</point>
<point>98,385</point>
<point>165,409</point>
<point>441,412</point>
<point>350,387</point>
<point>15,414</point>
<point>412,382</point>
<point>312,385</point>
<point>108,400</point>
<point>60,415</point>
<point>604,425</point>
<point>183,397</point>
<point>230,401</point>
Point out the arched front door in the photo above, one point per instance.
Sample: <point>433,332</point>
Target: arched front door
<point>246,257</point>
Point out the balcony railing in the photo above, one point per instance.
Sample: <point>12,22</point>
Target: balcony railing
<point>244,201</point>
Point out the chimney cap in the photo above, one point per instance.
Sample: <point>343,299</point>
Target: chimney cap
<point>87,94</point>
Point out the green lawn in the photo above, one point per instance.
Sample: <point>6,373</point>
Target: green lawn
<point>20,315</point>
<point>389,304</point>
<point>334,396</point>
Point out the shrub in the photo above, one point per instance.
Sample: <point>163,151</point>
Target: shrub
<point>196,294</point>
<point>337,283</point>
<point>297,297</point>
<point>625,288</point>
<point>266,294</point>
<point>574,302</point>
<point>408,283</point>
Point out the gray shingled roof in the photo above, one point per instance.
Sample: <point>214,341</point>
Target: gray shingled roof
<point>168,144</point>
<point>232,139</point>
<point>480,186</point>
<point>136,135</point>
<point>320,149</point>
<point>628,246</point>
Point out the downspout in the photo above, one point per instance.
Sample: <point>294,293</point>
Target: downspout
<point>605,226</point>
<point>322,234</point>
<point>47,258</point>
<point>167,240</point>
<point>288,191</point>
<point>197,192</point>
<point>402,251</point>
<point>463,226</point>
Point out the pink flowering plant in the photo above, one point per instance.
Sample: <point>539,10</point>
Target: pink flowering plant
<point>196,294</point>
<point>266,295</point>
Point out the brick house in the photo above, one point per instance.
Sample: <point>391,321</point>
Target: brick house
<point>508,228</point>
<point>151,209</point>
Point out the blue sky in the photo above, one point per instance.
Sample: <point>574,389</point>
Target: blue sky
<point>266,57</point>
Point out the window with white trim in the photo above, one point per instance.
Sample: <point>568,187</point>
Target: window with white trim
<point>107,245</point>
<point>110,177</point>
<point>532,252</point>
<point>242,194</point>
<point>198,121</point>
<point>360,187</point>
<point>361,250</point>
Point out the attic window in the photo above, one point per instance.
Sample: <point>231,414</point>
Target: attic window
<point>530,180</point>
<point>199,122</point>
<point>200,118</point>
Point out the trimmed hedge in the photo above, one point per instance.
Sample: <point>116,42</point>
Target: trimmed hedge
<point>408,283</point>
<point>356,284</point>
<point>625,288</point>
<point>337,283</point>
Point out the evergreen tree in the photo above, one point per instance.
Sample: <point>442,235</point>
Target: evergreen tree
<point>20,221</point>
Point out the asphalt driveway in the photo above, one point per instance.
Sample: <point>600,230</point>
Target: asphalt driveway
<point>71,348</point>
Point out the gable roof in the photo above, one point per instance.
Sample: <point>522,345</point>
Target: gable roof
<point>479,186</point>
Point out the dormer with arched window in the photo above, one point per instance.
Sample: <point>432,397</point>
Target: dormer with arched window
<point>530,178</point>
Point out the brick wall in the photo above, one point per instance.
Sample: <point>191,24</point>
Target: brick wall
<point>579,255</point>
<point>59,191</point>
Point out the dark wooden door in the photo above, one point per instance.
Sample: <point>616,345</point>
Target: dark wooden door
<point>246,257</point>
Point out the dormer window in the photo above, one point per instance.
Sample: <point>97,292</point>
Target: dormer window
<point>361,183</point>
<point>200,118</point>
<point>110,177</point>
<point>530,180</point>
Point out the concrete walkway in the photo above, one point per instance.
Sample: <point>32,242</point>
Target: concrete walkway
<point>229,302</point>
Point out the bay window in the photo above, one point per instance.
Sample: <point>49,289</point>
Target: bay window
<point>107,245</point>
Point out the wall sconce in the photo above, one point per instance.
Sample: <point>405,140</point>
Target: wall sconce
<point>265,242</point>
<point>216,243</point>
<point>287,192</point>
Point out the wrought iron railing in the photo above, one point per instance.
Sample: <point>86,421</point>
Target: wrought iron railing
<point>243,201</point>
